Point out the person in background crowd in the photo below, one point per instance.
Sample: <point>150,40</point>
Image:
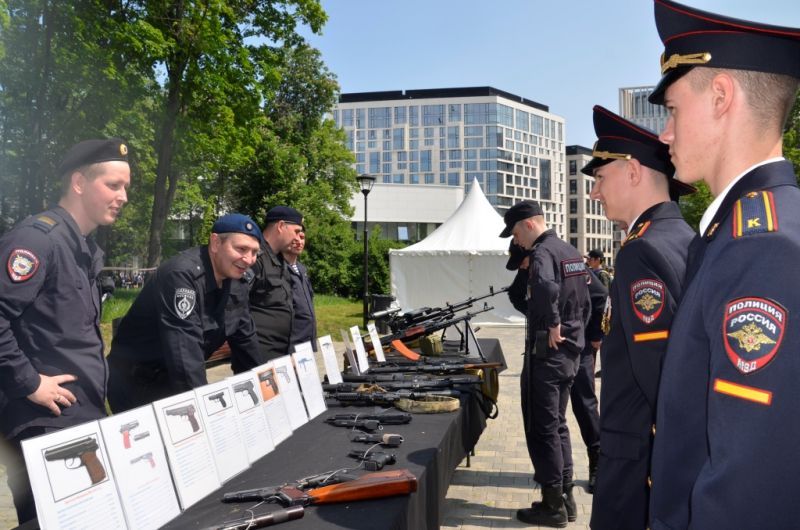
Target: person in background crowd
<point>595,262</point>
<point>192,305</point>
<point>304,327</point>
<point>52,364</point>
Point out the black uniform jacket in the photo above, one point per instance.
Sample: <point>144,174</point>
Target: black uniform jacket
<point>50,321</point>
<point>304,328</point>
<point>271,303</point>
<point>557,291</point>
<point>181,318</point>
<point>651,265</point>
<point>517,292</point>
<point>725,452</point>
<point>599,297</point>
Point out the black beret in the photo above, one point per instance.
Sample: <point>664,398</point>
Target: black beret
<point>236,222</point>
<point>286,214</point>
<point>620,139</point>
<point>519,212</point>
<point>517,255</point>
<point>94,152</point>
<point>693,37</point>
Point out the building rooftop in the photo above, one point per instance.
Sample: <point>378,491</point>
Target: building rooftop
<point>578,150</point>
<point>463,92</point>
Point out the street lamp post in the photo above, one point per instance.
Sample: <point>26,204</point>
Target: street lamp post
<point>366,182</point>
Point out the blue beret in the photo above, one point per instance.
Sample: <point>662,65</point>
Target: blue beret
<point>94,152</point>
<point>236,222</point>
<point>286,214</point>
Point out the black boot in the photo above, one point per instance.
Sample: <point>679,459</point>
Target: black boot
<point>549,512</point>
<point>594,457</point>
<point>569,501</point>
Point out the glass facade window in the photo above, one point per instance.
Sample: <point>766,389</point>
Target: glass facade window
<point>399,139</point>
<point>573,206</point>
<point>442,178</point>
<point>544,175</point>
<point>426,164</point>
<point>360,146</point>
<point>387,134</point>
<point>560,131</point>
<point>494,183</point>
<point>442,143</point>
<point>537,125</point>
<point>470,154</point>
<point>454,179</point>
<point>573,226</point>
<point>336,118</point>
<point>510,144</point>
<point>428,178</point>
<point>347,117</point>
<point>573,168</point>
<point>455,165</point>
<point>387,145</point>
<point>413,178</point>
<point>360,135</point>
<point>473,131</point>
<point>486,113</point>
<point>413,144</point>
<point>413,133</point>
<point>488,165</point>
<point>413,116</point>
<point>573,187</point>
<point>380,118</point>
<point>454,113</point>
<point>473,142</point>
<point>414,156</point>
<point>509,133</point>
<point>414,166</point>
<point>402,165</point>
<point>387,157</point>
<point>429,143</point>
<point>433,115</point>
<point>399,115</point>
<point>494,137</point>
<point>399,179</point>
<point>372,145</point>
<point>452,136</point>
<point>361,169</point>
<point>522,120</point>
<point>442,166</point>
<point>373,134</point>
<point>469,177</point>
<point>350,136</point>
<point>429,132</point>
<point>455,155</point>
<point>361,158</point>
<point>387,168</point>
<point>361,121</point>
<point>387,179</point>
<point>374,162</point>
<point>402,156</point>
<point>471,166</point>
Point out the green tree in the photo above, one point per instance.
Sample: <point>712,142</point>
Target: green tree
<point>791,137</point>
<point>694,206</point>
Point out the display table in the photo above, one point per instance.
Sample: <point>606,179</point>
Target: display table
<point>434,445</point>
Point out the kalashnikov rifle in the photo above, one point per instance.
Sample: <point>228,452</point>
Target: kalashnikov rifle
<point>385,397</point>
<point>410,384</point>
<point>421,316</point>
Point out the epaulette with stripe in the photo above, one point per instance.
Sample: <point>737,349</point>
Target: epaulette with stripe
<point>45,224</point>
<point>636,232</point>
<point>754,214</point>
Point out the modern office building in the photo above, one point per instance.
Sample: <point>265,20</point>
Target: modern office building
<point>633,106</point>
<point>421,140</point>
<point>588,227</point>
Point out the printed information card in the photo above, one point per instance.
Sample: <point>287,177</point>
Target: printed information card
<point>375,337</point>
<point>290,389</point>
<point>247,400</point>
<point>361,353</point>
<point>224,431</point>
<point>72,481</point>
<point>274,407</point>
<point>140,468</point>
<point>183,431</point>
<point>351,356</point>
<point>330,360</point>
<point>310,383</point>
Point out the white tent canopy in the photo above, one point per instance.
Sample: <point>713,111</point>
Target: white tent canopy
<point>462,258</point>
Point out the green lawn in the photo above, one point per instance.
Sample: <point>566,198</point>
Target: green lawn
<point>333,313</point>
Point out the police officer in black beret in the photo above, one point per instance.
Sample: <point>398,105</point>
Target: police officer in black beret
<point>52,365</point>
<point>725,451</point>
<point>633,177</point>
<point>304,326</point>
<point>271,289</point>
<point>191,305</point>
<point>558,311</point>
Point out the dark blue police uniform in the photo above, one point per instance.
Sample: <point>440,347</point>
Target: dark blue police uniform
<point>50,325</point>
<point>304,327</point>
<point>177,322</point>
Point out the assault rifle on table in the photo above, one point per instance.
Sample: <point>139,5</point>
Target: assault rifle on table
<point>146,456</point>
<point>426,315</point>
<point>187,411</point>
<point>219,397</point>
<point>83,450</point>
<point>409,384</point>
<point>386,397</point>
<point>246,386</point>
<point>346,488</point>
<point>432,368</point>
<point>427,327</point>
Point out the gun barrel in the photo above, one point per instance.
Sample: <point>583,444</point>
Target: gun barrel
<point>72,450</point>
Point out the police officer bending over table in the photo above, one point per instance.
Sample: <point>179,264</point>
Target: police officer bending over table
<point>189,307</point>
<point>725,451</point>
<point>52,366</point>
<point>558,311</point>
<point>633,182</point>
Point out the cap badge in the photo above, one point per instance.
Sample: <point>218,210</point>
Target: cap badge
<point>248,226</point>
<point>605,155</point>
<point>679,60</point>
<point>123,149</point>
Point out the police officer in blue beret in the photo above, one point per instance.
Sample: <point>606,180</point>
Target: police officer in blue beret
<point>725,451</point>
<point>52,365</point>
<point>191,305</point>
<point>271,289</point>
<point>558,311</point>
<point>633,177</point>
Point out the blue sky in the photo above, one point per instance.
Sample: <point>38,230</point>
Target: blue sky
<point>569,55</point>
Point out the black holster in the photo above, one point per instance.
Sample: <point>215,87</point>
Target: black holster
<point>541,343</point>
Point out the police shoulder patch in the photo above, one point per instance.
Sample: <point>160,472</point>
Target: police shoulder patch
<point>753,332</point>
<point>184,301</point>
<point>647,297</point>
<point>637,232</point>
<point>754,214</point>
<point>573,267</point>
<point>22,264</point>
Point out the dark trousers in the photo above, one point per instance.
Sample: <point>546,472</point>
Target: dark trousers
<point>584,399</point>
<point>18,481</point>
<point>621,496</point>
<point>545,389</point>
<point>130,387</point>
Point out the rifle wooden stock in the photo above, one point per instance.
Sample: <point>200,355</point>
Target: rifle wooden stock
<point>370,486</point>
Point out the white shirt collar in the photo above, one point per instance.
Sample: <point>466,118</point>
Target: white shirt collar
<point>714,206</point>
<point>633,223</point>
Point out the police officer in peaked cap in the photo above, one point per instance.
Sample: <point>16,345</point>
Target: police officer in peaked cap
<point>725,450</point>
<point>191,306</point>
<point>558,311</point>
<point>633,182</point>
<point>52,365</point>
<point>271,288</point>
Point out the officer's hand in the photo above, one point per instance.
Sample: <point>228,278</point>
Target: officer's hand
<point>50,394</point>
<point>596,344</point>
<point>555,337</point>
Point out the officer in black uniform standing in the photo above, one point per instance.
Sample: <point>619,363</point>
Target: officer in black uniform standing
<point>558,311</point>
<point>725,451</point>
<point>304,327</point>
<point>271,289</point>
<point>191,305</point>
<point>52,365</point>
<point>633,178</point>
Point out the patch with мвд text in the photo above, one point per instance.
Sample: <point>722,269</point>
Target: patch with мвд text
<point>754,329</point>
<point>647,297</point>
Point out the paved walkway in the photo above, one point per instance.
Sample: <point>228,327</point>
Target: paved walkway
<point>500,479</point>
